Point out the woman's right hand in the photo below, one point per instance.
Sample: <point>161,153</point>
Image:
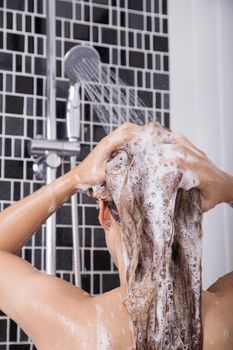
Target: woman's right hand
<point>216,186</point>
<point>91,170</point>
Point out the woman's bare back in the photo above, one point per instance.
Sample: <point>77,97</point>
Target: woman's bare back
<point>102,322</point>
<point>57,315</point>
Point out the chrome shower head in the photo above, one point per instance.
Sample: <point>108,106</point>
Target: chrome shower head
<point>82,64</point>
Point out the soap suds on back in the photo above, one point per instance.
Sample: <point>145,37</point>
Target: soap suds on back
<point>104,337</point>
<point>160,216</point>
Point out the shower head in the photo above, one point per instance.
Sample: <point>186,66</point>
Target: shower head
<point>82,64</point>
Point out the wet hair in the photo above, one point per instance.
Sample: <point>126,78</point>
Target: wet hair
<point>159,213</point>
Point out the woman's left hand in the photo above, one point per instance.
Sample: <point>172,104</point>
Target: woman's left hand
<point>216,186</point>
<point>91,170</point>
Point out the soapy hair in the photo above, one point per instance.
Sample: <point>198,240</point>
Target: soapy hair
<point>160,217</point>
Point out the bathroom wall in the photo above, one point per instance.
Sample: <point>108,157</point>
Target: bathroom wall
<point>132,37</point>
<point>201,78</point>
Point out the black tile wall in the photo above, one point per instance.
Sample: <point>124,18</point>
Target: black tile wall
<point>133,41</point>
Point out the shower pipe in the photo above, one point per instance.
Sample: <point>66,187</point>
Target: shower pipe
<point>51,129</point>
<point>51,149</point>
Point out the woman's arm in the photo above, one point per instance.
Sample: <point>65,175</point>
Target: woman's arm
<point>19,221</point>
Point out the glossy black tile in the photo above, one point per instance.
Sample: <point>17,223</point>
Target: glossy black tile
<point>166,102</point>
<point>13,331</point>
<point>86,282</point>
<point>3,325</point>
<point>158,100</point>
<point>15,42</point>
<point>39,107</point>
<point>29,128</point>
<point>64,259</point>
<point>109,36</point>
<point>40,65</point>
<point>67,29</point>
<point>86,13</point>
<point>96,284</point>
<point>127,75</point>
<point>148,23</point>
<point>135,5</point>
<point>146,97</point>
<point>136,59</point>
<point>1,19</point>
<point>103,52</point>
<point>6,61</point>
<point>64,9</point>
<point>24,84</point>
<point>157,24</point>
<point>16,190</point>
<point>136,21</point>
<point>165,26</point>
<point>85,150</point>
<point>7,145</point>
<point>164,7</point>
<point>78,12</point>
<point>29,171</point>
<point>28,255</point>
<point>30,44</point>
<point>64,237</point>
<point>147,42</point>
<point>166,63</point>
<point>18,5</point>
<point>157,62</point>
<point>101,260</point>
<point>9,20</point>
<point>19,22</point>
<point>110,281</point>
<point>17,148</point>
<point>98,133</point>
<point>81,31</point>
<point>13,169</point>
<point>64,215</point>
<point>99,237</point>
<point>88,237</point>
<point>31,5</point>
<point>40,25</point>
<point>14,104</point>
<point>91,216</point>
<point>156,6</point>
<point>160,43</point>
<point>5,190</point>
<point>100,15</point>
<point>14,126</point>
<point>58,28</point>
<point>40,6</point>
<point>38,260</point>
<point>161,81</point>
<point>166,120</point>
<point>87,260</point>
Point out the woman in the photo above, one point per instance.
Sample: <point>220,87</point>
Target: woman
<point>58,315</point>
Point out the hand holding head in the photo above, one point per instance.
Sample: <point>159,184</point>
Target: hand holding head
<point>215,185</point>
<point>92,168</point>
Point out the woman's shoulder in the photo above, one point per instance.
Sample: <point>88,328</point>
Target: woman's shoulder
<point>217,310</point>
<point>223,285</point>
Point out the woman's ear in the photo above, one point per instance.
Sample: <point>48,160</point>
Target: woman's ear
<point>104,215</point>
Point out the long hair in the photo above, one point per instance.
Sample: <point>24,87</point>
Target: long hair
<point>161,235</point>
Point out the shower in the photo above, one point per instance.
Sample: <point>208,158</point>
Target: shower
<point>77,63</point>
<point>36,37</point>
